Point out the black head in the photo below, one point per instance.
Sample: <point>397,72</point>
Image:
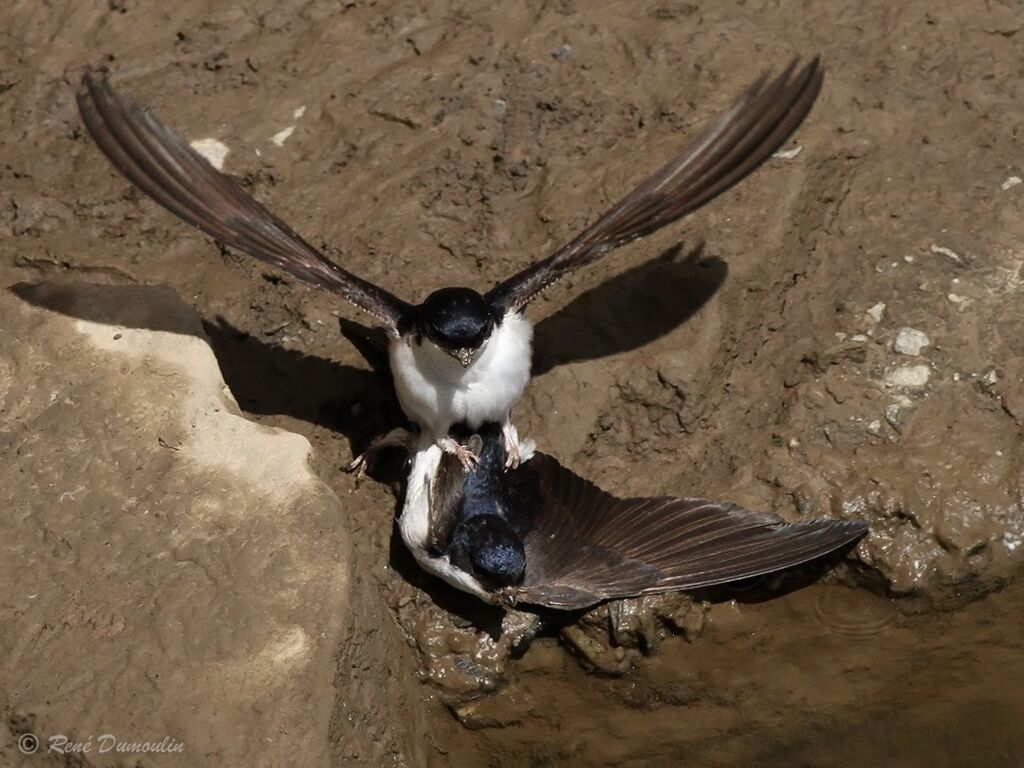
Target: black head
<point>458,320</point>
<point>491,550</point>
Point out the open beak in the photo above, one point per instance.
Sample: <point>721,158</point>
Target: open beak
<point>464,356</point>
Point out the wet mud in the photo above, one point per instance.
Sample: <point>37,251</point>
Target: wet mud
<point>839,335</point>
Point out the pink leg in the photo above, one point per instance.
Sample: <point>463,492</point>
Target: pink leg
<point>465,456</point>
<point>511,436</point>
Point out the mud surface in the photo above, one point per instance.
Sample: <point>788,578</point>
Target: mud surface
<point>770,351</point>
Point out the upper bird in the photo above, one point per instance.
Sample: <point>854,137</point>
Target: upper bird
<point>459,356</point>
<point>542,535</point>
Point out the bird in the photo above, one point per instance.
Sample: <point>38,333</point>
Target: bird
<point>458,356</point>
<point>539,534</point>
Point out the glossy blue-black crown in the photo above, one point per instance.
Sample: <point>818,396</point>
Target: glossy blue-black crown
<point>456,318</point>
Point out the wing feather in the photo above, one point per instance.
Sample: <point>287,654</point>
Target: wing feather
<point>585,545</point>
<point>162,164</point>
<point>742,138</point>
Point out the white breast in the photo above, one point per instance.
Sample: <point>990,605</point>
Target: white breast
<point>414,522</point>
<point>435,391</point>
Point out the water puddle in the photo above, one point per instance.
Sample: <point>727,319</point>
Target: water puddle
<point>824,676</point>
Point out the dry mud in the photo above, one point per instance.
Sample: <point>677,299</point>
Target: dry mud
<point>768,351</point>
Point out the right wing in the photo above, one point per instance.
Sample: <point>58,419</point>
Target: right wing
<point>746,135</point>
<point>162,164</point>
<point>585,545</point>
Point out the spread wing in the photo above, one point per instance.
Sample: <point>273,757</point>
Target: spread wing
<point>742,138</point>
<point>585,545</point>
<point>162,164</point>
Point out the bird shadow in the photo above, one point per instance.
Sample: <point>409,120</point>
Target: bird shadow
<point>270,379</point>
<point>265,378</point>
<point>632,309</point>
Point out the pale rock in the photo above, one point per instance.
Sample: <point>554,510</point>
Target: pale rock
<point>910,341</point>
<point>910,376</point>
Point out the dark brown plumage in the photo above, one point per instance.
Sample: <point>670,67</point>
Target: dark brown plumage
<point>584,545</point>
<point>746,135</point>
<point>162,164</point>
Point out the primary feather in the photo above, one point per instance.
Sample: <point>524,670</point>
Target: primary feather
<point>735,144</point>
<point>162,164</point>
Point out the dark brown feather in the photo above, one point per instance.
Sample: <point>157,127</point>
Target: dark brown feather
<point>445,495</point>
<point>584,545</point>
<point>746,135</point>
<point>165,167</point>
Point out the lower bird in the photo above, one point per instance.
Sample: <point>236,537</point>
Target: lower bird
<point>542,535</point>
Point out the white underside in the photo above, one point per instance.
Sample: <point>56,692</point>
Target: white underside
<point>435,391</point>
<point>414,522</point>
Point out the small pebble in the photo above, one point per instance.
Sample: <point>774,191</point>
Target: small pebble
<point>909,376</point>
<point>281,137</point>
<point>943,251</point>
<point>214,150</point>
<point>876,311</point>
<point>563,52</point>
<point>894,415</point>
<point>910,341</point>
<point>875,427</point>
<point>789,154</point>
<point>1010,183</point>
<point>990,379</point>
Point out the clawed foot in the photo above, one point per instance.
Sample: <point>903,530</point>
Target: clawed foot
<point>358,465</point>
<point>516,451</point>
<point>361,464</point>
<point>466,457</point>
<point>507,596</point>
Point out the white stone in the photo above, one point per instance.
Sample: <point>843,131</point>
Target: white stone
<point>910,341</point>
<point>789,154</point>
<point>281,137</point>
<point>876,311</point>
<point>214,150</point>
<point>1011,182</point>
<point>913,376</point>
<point>943,251</point>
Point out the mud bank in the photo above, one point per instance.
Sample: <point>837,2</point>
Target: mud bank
<point>174,572</point>
<point>845,341</point>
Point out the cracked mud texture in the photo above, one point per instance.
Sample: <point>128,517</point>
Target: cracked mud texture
<point>749,354</point>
